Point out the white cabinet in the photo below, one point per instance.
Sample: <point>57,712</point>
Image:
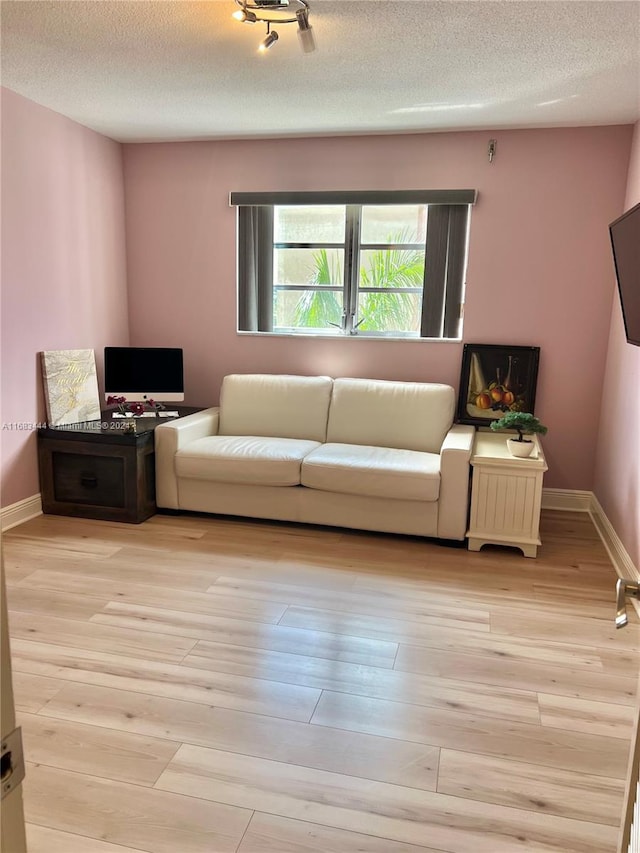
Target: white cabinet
<point>506,495</point>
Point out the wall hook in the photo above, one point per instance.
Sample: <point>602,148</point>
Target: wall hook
<point>491,151</point>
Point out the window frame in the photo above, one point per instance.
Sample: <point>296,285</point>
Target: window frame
<point>443,286</point>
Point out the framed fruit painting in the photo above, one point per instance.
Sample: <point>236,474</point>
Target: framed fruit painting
<point>495,380</point>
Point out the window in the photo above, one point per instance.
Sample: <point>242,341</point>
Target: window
<point>364,263</point>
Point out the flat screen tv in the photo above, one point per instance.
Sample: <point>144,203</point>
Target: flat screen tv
<point>144,373</point>
<point>625,241</point>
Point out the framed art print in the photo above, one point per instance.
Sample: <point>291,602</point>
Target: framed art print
<point>70,386</point>
<point>494,380</point>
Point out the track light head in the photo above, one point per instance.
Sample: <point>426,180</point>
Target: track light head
<point>245,16</point>
<point>269,40</point>
<point>305,31</point>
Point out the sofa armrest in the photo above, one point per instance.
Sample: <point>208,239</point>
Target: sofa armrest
<point>169,439</point>
<point>453,502</point>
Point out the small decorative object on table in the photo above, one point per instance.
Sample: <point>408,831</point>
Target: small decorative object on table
<point>133,410</point>
<point>130,410</point>
<point>525,424</point>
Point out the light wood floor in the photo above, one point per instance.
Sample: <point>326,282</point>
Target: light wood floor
<point>207,685</point>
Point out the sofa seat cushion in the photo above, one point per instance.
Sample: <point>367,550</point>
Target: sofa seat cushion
<point>246,459</point>
<point>373,471</point>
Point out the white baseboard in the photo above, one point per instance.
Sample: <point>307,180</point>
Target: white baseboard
<point>568,500</point>
<point>20,512</point>
<point>577,501</point>
<point>619,555</point>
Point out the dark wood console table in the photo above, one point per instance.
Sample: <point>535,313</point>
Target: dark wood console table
<point>101,469</point>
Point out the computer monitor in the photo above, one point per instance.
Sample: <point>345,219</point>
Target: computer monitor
<point>144,373</point>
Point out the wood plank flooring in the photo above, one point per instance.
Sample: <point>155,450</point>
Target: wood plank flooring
<point>207,685</point>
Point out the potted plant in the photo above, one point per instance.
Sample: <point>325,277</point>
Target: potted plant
<point>525,424</point>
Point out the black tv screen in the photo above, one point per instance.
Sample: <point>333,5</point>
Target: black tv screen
<point>140,373</point>
<point>625,241</point>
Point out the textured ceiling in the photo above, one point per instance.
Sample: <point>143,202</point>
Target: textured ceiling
<point>158,70</point>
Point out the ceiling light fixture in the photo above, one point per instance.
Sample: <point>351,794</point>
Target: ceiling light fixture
<point>272,12</point>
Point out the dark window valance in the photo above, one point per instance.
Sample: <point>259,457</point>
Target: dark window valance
<point>448,197</point>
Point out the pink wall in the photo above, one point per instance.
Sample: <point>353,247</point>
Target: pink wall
<point>540,267</point>
<point>617,482</point>
<point>539,264</point>
<point>63,263</point>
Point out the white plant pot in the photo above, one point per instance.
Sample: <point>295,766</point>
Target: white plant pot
<point>522,449</point>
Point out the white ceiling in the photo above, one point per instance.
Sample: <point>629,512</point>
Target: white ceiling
<point>138,71</point>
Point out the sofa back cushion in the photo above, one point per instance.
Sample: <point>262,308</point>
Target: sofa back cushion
<point>275,406</point>
<point>406,415</point>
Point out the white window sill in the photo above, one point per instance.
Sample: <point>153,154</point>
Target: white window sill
<point>336,337</point>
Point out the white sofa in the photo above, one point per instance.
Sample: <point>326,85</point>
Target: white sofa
<point>360,453</point>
